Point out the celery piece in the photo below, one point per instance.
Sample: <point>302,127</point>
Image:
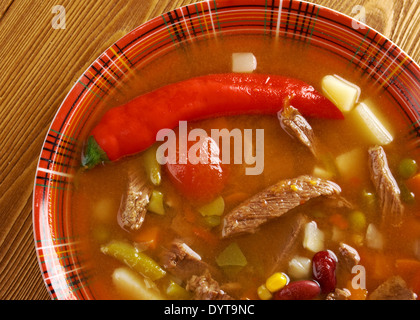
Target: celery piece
<point>152,166</point>
<point>214,208</point>
<point>156,203</point>
<point>231,256</point>
<point>177,292</point>
<point>133,258</point>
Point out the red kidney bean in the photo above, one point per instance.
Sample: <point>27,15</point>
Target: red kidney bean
<point>298,290</point>
<point>323,268</point>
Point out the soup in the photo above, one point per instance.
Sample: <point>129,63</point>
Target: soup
<point>303,207</point>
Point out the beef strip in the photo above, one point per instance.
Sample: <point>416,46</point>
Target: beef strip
<point>347,256</point>
<point>134,205</point>
<point>338,294</point>
<point>285,244</point>
<point>297,127</point>
<point>386,187</point>
<point>275,201</point>
<point>183,262</point>
<point>205,287</point>
<point>395,288</point>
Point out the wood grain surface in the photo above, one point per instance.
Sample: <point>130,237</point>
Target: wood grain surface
<point>39,65</point>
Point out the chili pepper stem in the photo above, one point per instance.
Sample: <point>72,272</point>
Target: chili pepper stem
<point>93,154</point>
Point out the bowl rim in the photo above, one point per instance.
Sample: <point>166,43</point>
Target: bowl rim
<point>37,211</point>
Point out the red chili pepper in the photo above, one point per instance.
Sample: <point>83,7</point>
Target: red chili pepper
<point>132,127</point>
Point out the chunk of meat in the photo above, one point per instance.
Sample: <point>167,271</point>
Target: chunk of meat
<point>338,294</point>
<point>347,256</point>
<point>182,261</point>
<point>285,244</point>
<point>275,201</point>
<point>292,121</point>
<point>395,288</point>
<point>134,204</point>
<point>386,187</point>
<point>205,287</point>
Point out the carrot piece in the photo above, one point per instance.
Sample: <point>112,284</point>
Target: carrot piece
<point>356,293</point>
<point>205,235</point>
<point>339,220</point>
<point>149,235</point>
<point>407,268</point>
<point>413,184</point>
<point>189,214</point>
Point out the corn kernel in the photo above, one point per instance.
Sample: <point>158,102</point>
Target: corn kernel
<point>264,293</point>
<point>276,282</point>
<point>294,187</point>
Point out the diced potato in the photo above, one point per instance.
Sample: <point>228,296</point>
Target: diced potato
<point>322,173</point>
<point>104,210</point>
<point>300,268</point>
<point>337,234</point>
<point>313,237</point>
<point>133,286</point>
<point>374,238</point>
<point>351,163</point>
<point>341,92</point>
<point>371,125</point>
<point>243,62</point>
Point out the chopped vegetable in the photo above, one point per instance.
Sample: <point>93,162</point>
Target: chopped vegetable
<point>351,163</point>
<point>133,258</point>
<point>214,208</point>
<point>156,203</point>
<point>341,92</point>
<point>134,286</point>
<point>339,220</point>
<point>374,238</point>
<point>212,221</point>
<point>368,200</point>
<point>148,236</point>
<point>406,195</point>
<point>407,168</point>
<point>357,293</point>
<point>322,173</point>
<point>313,237</point>
<point>152,166</point>
<point>276,281</point>
<point>264,293</point>
<point>300,268</point>
<point>357,221</point>
<point>414,184</point>
<point>243,62</point>
<point>200,182</point>
<point>371,126</point>
<point>104,210</point>
<point>231,256</point>
<point>177,292</point>
<point>112,138</point>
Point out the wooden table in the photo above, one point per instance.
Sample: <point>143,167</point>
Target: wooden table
<point>39,65</point>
